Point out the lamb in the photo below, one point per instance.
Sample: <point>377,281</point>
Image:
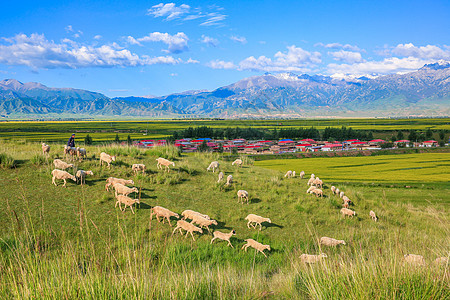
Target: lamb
<point>341,194</point>
<point>223,236</point>
<point>318,182</point>
<point>202,222</point>
<point>310,259</point>
<point>190,228</point>
<point>164,162</point>
<point>414,259</point>
<point>45,149</point>
<point>302,174</point>
<point>220,177</point>
<point>373,215</point>
<point>107,159</point>
<point>288,174</point>
<point>137,168</point>
<point>72,151</point>
<point>310,189</point>
<point>318,192</point>
<point>238,162</point>
<point>441,261</point>
<point>257,220</point>
<point>81,152</point>
<point>59,164</point>
<point>59,174</point>
<point>213,165</point>
<point>311,181</point>
<point>313,176</point>
<point>188,214</point>
<point>124,190</point>
<point>337,191</point>
<point>258,246</point>
<point>347,212</point>
<point>242,195</point>
<point>346,201</point>
<point>111,181</point>
<point>127,201</point>
<point>81,176</point>
<point>327,241</point>
<point>333,189</point>
<point>229,179</point>
<point>163,213</point>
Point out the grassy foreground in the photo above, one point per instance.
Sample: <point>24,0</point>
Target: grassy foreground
<point>72,243</point>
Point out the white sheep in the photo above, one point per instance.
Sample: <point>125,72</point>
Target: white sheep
<point>441,261</point>
<point>252,218</point>
<point>137,168</point>
<point>333,189</point>
<point>310,258</point>
<point>348,212</point>
<point>188,214</point>
<point>213,165</point>
<point>288,174</point>
<point>59,164</point>
<point>313,176</point>
<point>229,179</point>
<point>238,162</point>
<point>163,213</point>
<point>327,241</point>
<point>220,177</point>
<point>111,181</point>
<point>310,189</point>
<point>127,201</point>
<point>373,215</point>
<point>242,194</point>
<point>190,228</point>
<point>414,259</point>
<point>341,194</point>
<point>72,151</point>
<point>293,174</point>
<point>302,174</point>
<point>318,182</point>
<point>258,246</point>
<point>202,222</point>
<point>311,181</point>
<point>124,190</point>
<point>223,236</point>
<point>337,191</point>
<point>81,176</point>
<point>81,152</point>
<point>164,162</point>
<point>318,192</point>
<point>45,149</point>
<point>59,174</point>
<point>107,159</point>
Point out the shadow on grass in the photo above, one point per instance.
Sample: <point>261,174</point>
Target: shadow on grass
<point>143,205</point>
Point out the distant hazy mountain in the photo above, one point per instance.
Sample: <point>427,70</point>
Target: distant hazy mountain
<point>424,92</point>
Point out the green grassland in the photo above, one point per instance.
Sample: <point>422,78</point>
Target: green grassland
<point>72,242</point>
<point>107,130</point>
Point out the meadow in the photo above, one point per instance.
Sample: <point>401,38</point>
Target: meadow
<point>57,131</point>
<point>71,242</point>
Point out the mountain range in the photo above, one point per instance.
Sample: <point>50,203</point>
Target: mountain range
<point>425,92</point>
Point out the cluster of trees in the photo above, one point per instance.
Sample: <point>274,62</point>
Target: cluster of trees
<point>344,133</point>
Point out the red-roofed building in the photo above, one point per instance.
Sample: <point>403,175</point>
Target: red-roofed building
<point>430,143</point>
<point>332,147</point>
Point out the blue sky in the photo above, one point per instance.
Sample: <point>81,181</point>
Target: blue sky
<point>124,48</point>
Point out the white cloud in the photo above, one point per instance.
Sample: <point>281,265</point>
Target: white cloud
<point>213,19</point>
<point>295,59</point>
<point>177,43</point>
<point>169,11</point>
<point>35,51</point>
<point>346,56</point>
<point>192,61</point>
<point>220,64</point>
<point>239,39</point>
<point>209,41</point>
<point>424,52</point>
<point>173,74</point>
<point>338,46</point>
<point>97,37</point>
<point>68,28</point>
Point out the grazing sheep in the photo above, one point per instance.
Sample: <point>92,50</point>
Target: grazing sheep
<point>81,152</point>
<point>441,261</point>
<point>111,181</point>
<point>164,162</point>
<point>251,218</point>
<point>72,151</point>
<point>346,199</point>
<point>337,191</point>
<point>318,182</point>
<point>127,201</point>
<point>288,174</point>
<point>202,222</point>
<point>293,173</point>
<point>220,177</point>
<point>302,174</point>
<point>163,213</point>
<point>310,259</point>
<point>59,174</point>
<point>313,176</point>
<point>318,192</point>
<point>345,205</point>
<point>341,194</point>
<point>223,236</point>
<point>333,189</point>
<point>347,212</point>
<point>311,181</point>
<point>242,195</point>
<point>327,241</point>
<point>188,214</point>
<point>190,228</point>
<point>124,190</point>
<point>138,167</point>
<point>213,165</point>
<point>81,176</point>
<point>373,215</point>
<point>107,159</point>
<point>59,164</point>
<point>45,149</point>
<point>414,259</point>
<point>238,162</point>
<point>229,179</point>
<point>258,246</point>
<point>310,189</point>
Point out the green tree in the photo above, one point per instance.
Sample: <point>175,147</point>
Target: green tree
<point>129,141</point>
<point>88,140</point>
<point>442,134</point>
<point>412,136</point>
<point>117,139</point>
<point>400,135</point>
<point>203,146</point>
<point>220,148</point>
<point>429,134</point>
<point>234,150</point>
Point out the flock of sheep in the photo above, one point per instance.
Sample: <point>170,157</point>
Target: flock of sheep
<point>201,220</point>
